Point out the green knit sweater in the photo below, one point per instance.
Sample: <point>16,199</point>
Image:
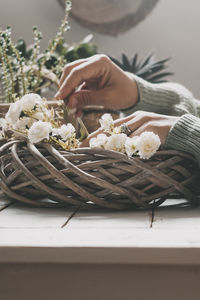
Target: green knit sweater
<point>172,99</point>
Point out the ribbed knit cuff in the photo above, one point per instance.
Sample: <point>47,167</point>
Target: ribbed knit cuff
<point>165,98</point>
<point>185,136</point>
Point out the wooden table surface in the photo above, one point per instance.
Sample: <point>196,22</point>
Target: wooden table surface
<point>104,255</point>
<point>167,235</point>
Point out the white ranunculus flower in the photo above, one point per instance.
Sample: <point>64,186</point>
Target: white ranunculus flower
<point>29,101</point>
<point>99,142</point>
<point>93,143</point>
<point>66,131</point>
<point>116,142</point>
<point>39,131</point>
<point>131,145</point>
<point>23,123</point>
<point>55,131</point>
<point>107,122</point>
<point>14,112</point>
<point>102,140</point>
<point>148,144</point>
<point>39,116</point>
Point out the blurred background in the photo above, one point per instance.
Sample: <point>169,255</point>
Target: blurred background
<point>170,30</point>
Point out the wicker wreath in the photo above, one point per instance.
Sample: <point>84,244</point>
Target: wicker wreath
<point>42,175</point>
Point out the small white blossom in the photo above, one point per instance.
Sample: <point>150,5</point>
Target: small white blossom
<point>99,142</point>
<point>117,130</point>
<point>14,112</point>
<point>102,140</point>
<point>93,143</point>
<point>55,131</point>
<point>107,122</point>
<point>39,131</point>
<point>29,101</point>
<point>39,116</point>
<point>148,144</point>
<point>23,123</point>
<point>131,145</point>
<point>66,131</point>
<point>116,142</point>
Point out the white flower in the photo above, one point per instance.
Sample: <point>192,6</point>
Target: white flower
<point>39,116</point>
<point>116,142</point>
<point>66,131</point>
<point>23,123</point>
<point>39,131</point>
<point>55,131</point>
<point>93,143</point>
<point>131,145</point>
<point>148,144</point>
<point>107,122</point>
<point>29,101</point>
<point>102,140</point>
<point>14,112</point>
<point>99,142</point>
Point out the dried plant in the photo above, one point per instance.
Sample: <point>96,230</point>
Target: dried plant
<point>27,69</point>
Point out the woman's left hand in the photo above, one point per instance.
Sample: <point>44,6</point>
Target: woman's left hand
<point>139,122</point>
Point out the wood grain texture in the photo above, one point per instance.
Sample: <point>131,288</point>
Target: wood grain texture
<point>30,235</point>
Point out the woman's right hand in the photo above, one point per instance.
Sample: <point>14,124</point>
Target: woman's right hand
<point>96,81</point>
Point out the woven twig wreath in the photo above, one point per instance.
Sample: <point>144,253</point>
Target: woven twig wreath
<point>33,174</point>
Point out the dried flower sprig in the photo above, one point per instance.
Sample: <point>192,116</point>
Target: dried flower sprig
<point>30,118</point>
<point>7,74</point>
<point>24,70</point>
<point>12,64</point>
<point>62,29</point>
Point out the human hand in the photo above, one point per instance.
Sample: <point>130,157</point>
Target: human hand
<point>100,82</point>
<point>139,122</point>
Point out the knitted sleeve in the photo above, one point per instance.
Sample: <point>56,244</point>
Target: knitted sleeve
<point>185,136</point>
<point>172,99</point>
<point>164,98</point>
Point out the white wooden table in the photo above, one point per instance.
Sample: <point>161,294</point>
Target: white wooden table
<point>76,254</point>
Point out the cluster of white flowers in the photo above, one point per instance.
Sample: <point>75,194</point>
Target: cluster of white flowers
<point>144,145</point>
<point>30,117</point>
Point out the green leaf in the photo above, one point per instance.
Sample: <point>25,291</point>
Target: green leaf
<point>126,63</point>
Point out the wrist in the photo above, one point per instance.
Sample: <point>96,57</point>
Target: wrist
<point>133,92</point>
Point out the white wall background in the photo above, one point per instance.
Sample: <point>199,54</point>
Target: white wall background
<point>172,29</point>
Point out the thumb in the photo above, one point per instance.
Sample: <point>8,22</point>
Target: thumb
<point>87,97</point>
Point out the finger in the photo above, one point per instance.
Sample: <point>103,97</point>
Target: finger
<point>117,122</point>
<point>69,67</point>
<point>87,97</point>
<point>81,73</point>
<point>140,130</point>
